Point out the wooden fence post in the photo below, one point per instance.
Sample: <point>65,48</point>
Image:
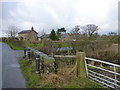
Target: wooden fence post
<point>38,64</point>
<point>68,52</point>
<point>42,65</point>
<point>81,68</point>
<point>29,55</point>
<point>52,55</point>
<point>55,63</point>
<point>24,52</point>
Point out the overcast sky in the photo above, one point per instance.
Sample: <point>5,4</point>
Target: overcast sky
<point>53,14</point>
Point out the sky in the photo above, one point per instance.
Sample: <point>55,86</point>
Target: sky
<point>53,14</point>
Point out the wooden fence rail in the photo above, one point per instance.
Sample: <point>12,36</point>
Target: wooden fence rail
<point>67,56</point>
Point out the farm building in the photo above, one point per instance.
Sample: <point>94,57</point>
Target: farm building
<point>29,35</point>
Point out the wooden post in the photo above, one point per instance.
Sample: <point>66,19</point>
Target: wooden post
<point>52,55</point>
<point>29,55</point>
<point>24,52</point>
<point>68,52</point>
<point>38,64</point>
<point>55,63</point>
<point>81,68</point>
<point>42,65</point>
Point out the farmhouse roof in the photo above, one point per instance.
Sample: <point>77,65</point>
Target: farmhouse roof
<point>26,31</point>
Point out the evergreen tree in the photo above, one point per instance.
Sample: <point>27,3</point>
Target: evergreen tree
<point>53,35</point>
<point>59,31</point>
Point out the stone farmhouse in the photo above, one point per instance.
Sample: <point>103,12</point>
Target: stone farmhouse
<point>28,35</point>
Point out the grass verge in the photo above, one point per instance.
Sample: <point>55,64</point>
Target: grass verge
<point>13,46</point>
<point>35,44</point>
<point>29,73</point>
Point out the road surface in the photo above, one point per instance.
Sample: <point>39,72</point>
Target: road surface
<point>11,72</point>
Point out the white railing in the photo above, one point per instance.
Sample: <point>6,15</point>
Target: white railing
<point>106,80</point>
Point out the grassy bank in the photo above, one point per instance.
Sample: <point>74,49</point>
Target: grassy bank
<point>53,80</point>
<point>14,43</point>
<point>33,45</point>
<point>29,72</point>
<point>13,46</point>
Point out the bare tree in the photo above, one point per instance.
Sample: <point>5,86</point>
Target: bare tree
<point>12,31</point>
<point>91,29</point>
<point>75,32</point>
<point>41,33</point>
<point>112,33</point>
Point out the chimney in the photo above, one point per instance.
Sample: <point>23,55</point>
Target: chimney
<point>32,28</point>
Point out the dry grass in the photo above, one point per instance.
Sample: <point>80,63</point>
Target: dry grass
<point>64,76</point>
<point>109,54</point>
<point>53,79</point>
<point>113,48</point>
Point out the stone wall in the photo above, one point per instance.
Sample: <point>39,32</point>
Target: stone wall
<point>47,64</point>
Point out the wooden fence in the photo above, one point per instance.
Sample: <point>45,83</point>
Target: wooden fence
<point>80,69</point>
<point>85,67</point>
<point>44,63</point>
<point>43,60</point>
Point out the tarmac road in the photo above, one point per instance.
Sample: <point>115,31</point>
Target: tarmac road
<point>11,72</point>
